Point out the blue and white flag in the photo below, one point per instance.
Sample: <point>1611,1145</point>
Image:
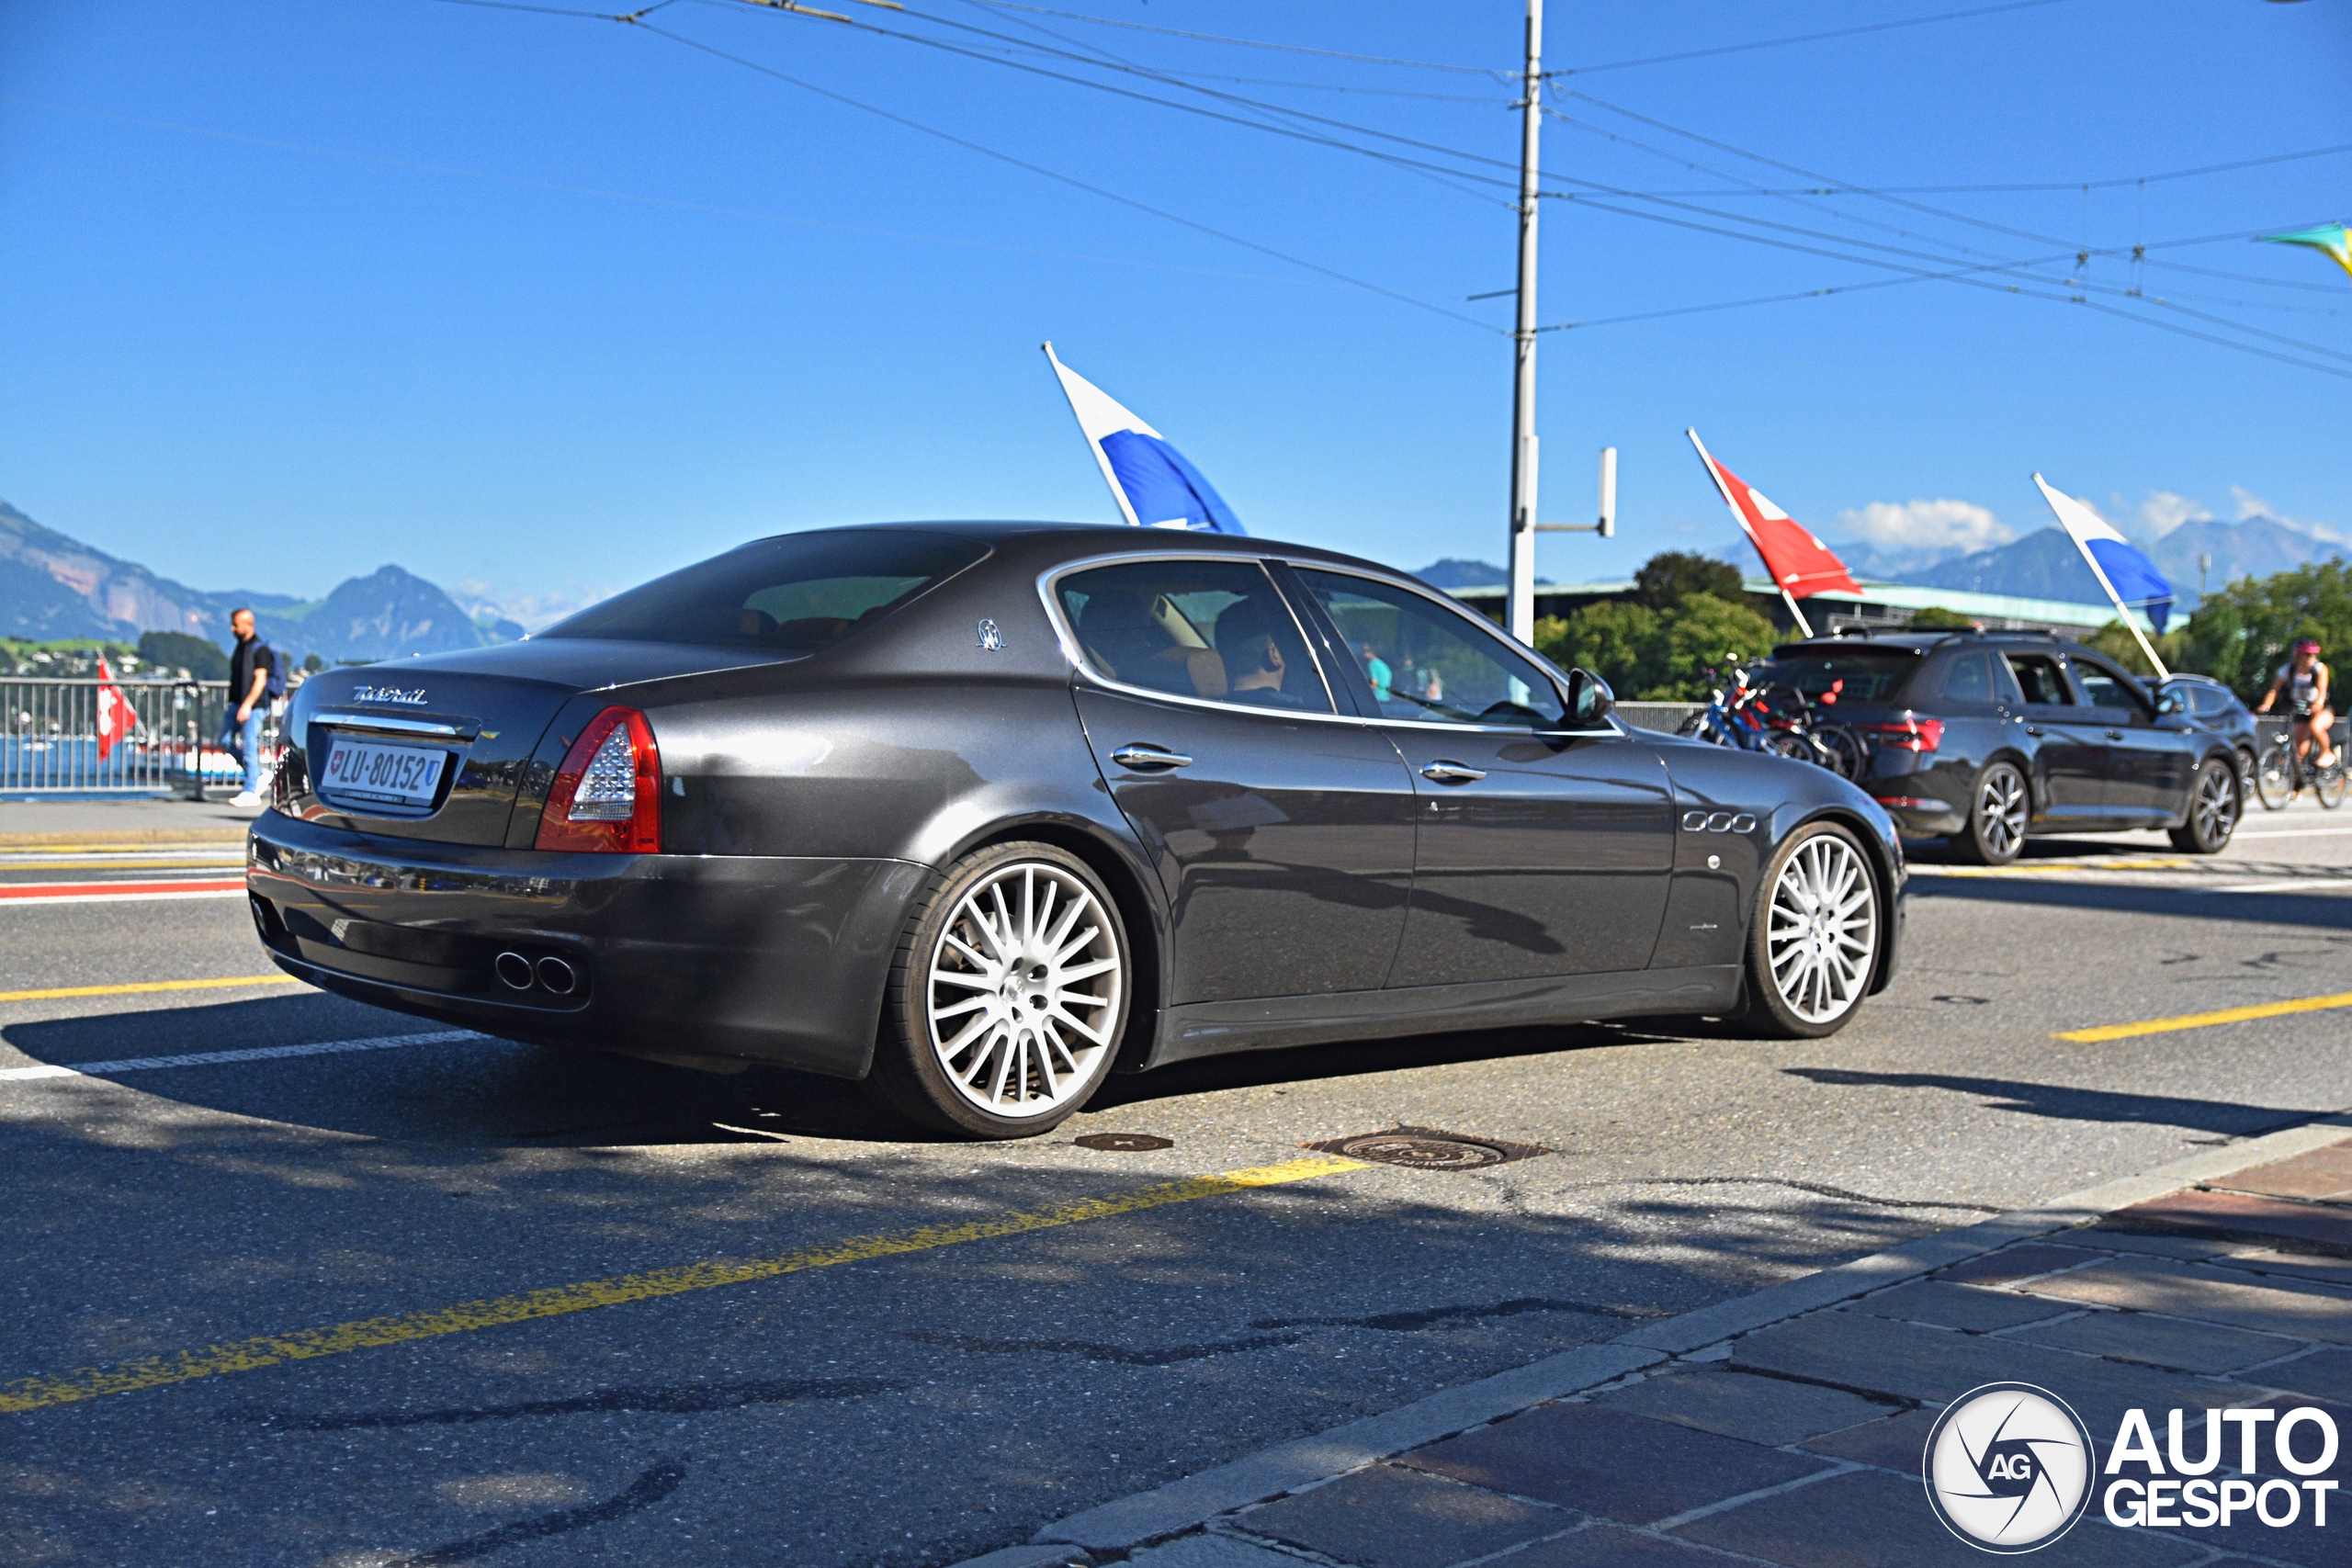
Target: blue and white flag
<point>1153,484</point>
<point>2129,578</point>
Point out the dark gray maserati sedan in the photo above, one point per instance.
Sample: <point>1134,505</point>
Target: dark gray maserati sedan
<point>973,812</point>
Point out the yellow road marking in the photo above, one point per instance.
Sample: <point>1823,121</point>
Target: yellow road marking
<point>54,992</point>
<point>270,1350</point>
<point>2201,1020</point>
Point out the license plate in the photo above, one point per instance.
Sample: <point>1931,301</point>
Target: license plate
<point>384,776</point>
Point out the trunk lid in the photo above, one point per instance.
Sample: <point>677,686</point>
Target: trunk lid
<point>436,748</point>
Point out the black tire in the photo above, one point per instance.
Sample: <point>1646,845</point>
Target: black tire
<point>1811,959</point>
<point>1848,757</point>
<point>2000,804</point>
<point>2216,802</point>
<point>2274,777</point>
<point>1015,1014</point>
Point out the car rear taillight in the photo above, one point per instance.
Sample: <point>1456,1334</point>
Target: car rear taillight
<point>607,794</point>
<point>1909,734</point>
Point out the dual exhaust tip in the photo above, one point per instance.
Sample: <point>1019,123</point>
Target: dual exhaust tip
<point>516,972</point>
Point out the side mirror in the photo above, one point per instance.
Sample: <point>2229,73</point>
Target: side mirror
<point>2167,704</point>
<point>1590,698</point>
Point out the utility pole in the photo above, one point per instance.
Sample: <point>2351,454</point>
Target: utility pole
<point>1521,621</point>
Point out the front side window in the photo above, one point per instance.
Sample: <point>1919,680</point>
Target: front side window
<point>2105,689</point>
<point>2204,702</point>
<point>796,593</point>
<point>1213,629</point>
<point>2037,678</point>
<point>1424,662</point>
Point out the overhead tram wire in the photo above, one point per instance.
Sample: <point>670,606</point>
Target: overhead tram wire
<point>1260,43</point>
<point>1072,181</point>
<point>1804,37</point>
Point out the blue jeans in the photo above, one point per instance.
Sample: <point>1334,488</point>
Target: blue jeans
<point>244,741</point>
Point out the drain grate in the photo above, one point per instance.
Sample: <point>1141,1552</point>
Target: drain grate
<point>1427,1148</point>
<point>1124,1143</point>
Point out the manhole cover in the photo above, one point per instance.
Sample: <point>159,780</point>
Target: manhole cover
<point>1427,1148</point>
<point>1124,1143</point>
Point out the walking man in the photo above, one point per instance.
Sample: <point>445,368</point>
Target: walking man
<point>250,666</point>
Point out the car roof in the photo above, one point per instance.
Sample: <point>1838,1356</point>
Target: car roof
<point>1081,539</point>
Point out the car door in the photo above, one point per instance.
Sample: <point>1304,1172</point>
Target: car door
<point>1282,832</point>
<point>1541,850</point>
<point>2150,760</point>
<point>2070,746</point>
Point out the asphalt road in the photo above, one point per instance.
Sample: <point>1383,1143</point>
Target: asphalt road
<point>934,1392</point>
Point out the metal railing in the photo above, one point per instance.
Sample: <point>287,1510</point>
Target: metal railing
<point>1668,717</point>
<point>49,738</point>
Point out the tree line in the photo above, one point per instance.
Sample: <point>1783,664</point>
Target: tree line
<point>1688,613</point>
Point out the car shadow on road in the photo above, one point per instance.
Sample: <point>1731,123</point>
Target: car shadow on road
<point>2060,1102</point>
<point>2283,908</point>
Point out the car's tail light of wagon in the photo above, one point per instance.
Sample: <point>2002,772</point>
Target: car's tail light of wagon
<point>1909,734</point>
<point>607,794</point>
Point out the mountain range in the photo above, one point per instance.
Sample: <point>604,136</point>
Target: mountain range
<point>54,587</point>
<point>2045,565</point>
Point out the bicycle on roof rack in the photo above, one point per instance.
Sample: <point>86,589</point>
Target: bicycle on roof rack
<point>1779,720</point>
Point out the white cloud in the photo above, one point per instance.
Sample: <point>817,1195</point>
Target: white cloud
<point>1929,524</point>
<point>2163,511</point>
<point>2251,506</point>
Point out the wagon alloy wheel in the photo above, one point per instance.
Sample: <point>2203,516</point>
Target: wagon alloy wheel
<point>2214,803</point>
<point>1023,981</point>
<point>1815,948</point>
<point>1009,996</point>
<point>1999,807</point>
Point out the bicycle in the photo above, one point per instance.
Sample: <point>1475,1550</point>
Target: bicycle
<point>1745,716</point>
<point>2280,774</point>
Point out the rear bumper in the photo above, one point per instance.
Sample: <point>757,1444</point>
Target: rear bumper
<point>1921,815</point>
<point>772,959</point>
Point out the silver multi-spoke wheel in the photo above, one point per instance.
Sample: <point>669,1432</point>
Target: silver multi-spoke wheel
<point>2214,812</point>
<point>1023,991</point>
<point>2000,812</point>
<point>1822,937</point>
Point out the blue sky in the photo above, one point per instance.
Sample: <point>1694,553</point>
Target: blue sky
<point>551,304</point>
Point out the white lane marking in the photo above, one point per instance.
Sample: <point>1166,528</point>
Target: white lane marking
<point>2296,885</point>
<point>9,903</point>
<point>2291,833</point>
<point>253,1053</point>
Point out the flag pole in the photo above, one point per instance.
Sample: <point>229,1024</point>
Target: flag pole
<point>1805,627</point>
<point>2121,613</point>
<point>1102,460</point>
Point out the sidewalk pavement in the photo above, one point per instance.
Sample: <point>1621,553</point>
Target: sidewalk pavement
<point>120,824</point>
<point>1787,1428</point>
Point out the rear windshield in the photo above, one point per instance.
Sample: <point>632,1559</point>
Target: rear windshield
<point>1868,677</point>
<point>796,593</point>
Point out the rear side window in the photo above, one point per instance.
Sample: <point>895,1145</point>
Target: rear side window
<point>796,593</point>
<point>1856,676</point>
<point>1969,680</point>
<point>2037,678</point>
<point>1213,629</point>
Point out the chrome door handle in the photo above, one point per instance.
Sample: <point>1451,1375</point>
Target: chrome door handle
<point>2115,735</point>
<point>1451,773</point>
<point>2033,729</point>
<point>1149,757</point>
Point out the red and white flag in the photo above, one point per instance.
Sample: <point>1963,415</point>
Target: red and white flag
<point>115,717</point>
<point>1800,565</point>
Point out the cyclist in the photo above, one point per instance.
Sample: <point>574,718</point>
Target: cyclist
<point>2305,680</point>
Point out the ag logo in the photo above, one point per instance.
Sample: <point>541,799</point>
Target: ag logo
<point>991,639</point>
<point>2009,1467</point>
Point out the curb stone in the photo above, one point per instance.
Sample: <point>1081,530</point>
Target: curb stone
<point>1117,1527</point>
